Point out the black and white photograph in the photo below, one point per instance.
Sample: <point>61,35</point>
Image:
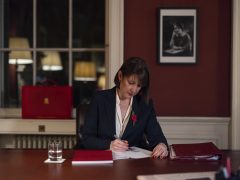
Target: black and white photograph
<point>177,35</point>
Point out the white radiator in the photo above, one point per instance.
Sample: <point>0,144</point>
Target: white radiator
<point>41,141</point>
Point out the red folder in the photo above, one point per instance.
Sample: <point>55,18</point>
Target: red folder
<point>196,151</point>
<point>47,102</point>
<point>92,157</point>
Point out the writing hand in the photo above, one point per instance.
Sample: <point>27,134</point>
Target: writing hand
<point>160,151</point>
<point>119,145</point>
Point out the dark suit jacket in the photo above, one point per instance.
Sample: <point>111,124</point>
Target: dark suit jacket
<point>99,127</point>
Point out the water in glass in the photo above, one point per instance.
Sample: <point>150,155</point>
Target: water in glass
<point>55,150</point>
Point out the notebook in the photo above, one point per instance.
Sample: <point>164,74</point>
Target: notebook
<point>92,157</point>
<point>47,102</point>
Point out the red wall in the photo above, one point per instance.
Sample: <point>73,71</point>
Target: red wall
<point>201,89</point>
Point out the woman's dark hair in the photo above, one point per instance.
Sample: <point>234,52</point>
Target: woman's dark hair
<point>136,66</point>
<point>179,25</point>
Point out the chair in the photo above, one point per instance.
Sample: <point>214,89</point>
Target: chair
<point>80,117</point>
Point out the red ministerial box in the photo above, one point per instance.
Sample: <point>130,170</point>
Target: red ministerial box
<point>92,157</point>
<point>47,102</point>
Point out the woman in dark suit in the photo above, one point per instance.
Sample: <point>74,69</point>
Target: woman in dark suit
<point>124,116</point>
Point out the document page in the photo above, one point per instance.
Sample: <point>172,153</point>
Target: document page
<point>132,153</point>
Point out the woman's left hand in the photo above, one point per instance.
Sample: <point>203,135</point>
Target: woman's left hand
<point>160,151</point>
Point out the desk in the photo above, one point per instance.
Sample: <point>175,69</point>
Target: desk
<point>29,165</point>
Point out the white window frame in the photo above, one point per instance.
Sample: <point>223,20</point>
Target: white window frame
<point>235,121</point>
<point>113,48</point>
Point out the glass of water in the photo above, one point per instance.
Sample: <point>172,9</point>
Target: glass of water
<point>55,150</point>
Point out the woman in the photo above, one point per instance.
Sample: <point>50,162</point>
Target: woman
<point>181,41</point>
<point>124,116</point>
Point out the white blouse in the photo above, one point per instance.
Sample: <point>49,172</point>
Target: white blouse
<point>121,122</point>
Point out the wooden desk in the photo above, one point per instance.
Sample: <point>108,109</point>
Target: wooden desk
<point>29,165</point>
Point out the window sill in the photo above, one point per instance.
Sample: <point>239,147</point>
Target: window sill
<point>37,126</point>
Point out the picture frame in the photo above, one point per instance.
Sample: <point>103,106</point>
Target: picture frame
<point>177,35</point>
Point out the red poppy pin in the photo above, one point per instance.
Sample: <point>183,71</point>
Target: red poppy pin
<point>134,118</point>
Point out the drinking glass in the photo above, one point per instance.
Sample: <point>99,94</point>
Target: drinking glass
<point>55,150</point>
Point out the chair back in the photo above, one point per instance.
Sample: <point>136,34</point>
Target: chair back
<point>80,118</point>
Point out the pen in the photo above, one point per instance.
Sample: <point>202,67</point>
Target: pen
<point>228,166</point>
<point>116,137</point>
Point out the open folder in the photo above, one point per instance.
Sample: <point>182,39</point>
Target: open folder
<point>132,153</point>
<point>196,151</point>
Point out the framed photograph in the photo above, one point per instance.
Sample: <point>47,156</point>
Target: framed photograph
<point>177,35</point>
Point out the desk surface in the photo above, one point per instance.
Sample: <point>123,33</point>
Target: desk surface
<point>29,164</point>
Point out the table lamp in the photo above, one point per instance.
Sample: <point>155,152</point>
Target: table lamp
<point>85,71</point>
<point>51,61</point>
<point>19,57</point>
<point>102,82</point>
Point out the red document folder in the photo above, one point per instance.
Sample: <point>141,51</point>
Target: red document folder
<point>47,102</point>
<point>196,151</point>
<point>92,157</point>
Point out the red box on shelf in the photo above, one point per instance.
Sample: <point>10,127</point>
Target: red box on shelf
<point>47,102</point>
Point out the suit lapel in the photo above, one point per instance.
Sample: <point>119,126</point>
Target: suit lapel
<point>111,110</point>
<point>130,125</point>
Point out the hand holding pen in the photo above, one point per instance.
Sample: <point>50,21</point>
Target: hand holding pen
<point>119,144</point>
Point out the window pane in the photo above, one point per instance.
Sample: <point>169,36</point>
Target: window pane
<point>52,23</point>
<point>18,73</point>
<point>18,20</point>
<point>88,76</point>
<point>52,68</point>
<point>52,31</point>
<point>88,23</point>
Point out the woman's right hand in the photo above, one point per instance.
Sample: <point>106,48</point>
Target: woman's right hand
<point>119,145</point>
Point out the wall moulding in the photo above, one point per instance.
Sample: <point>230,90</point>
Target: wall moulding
<point>196,129</point>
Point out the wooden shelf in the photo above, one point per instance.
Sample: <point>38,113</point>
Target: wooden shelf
<point>37,126</point>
